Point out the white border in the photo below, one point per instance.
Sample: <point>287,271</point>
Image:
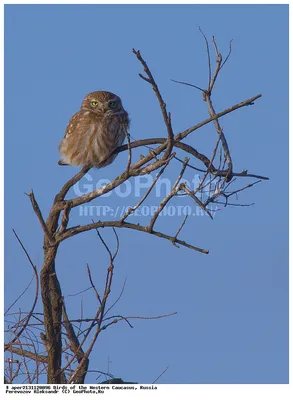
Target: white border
<point>146,2</point>
<point>200,391</point>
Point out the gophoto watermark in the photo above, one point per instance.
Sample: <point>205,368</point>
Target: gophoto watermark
<point>137,188</point>
<point>143,211</point>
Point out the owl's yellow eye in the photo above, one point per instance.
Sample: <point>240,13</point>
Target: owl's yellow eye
<point>94,103</point>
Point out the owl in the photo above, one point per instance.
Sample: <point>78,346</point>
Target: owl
<point>95,131</point>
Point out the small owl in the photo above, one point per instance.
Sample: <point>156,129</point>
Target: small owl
<point>95,131</point>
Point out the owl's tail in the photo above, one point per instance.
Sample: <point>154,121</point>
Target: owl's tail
<point>60,162</point>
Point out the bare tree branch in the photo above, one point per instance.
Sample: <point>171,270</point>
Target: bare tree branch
<point>117,224</point>
<point>62,345</point>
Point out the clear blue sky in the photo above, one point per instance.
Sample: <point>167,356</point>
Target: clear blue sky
<point>232,321</point>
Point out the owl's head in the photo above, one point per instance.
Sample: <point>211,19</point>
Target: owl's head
<point>102,103</point>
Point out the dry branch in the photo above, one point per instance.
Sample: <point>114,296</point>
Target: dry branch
<point>63,337</point>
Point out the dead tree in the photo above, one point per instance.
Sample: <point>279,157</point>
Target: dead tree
<point>63,358</point>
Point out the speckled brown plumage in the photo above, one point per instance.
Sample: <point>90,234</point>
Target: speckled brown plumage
<point>95,131</point>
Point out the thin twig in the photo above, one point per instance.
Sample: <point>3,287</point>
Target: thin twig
<point>228,55</point>
<point>36,294</point>
<point>165,113</point>
<point>38,213</point>
<point>129,149</point>
<point>117,224</point>
<point>198,202</point>
<point>161,375</point>
<point>179,230</point>
<point>118,298</point>
<point>208,55</point>
<point>188,84</point>
<point>92,284</point>
<point>175,189</point>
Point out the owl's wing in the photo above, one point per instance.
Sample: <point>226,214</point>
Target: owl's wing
<point>79,127</point>
<point>69,130</point>
<point>80,124</point>
<point>72,124</point>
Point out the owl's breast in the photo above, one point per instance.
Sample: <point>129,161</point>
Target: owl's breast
<point>91,138</point>
<point>105,139</point>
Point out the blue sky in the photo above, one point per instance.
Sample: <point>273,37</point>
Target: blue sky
<point>232,305</point>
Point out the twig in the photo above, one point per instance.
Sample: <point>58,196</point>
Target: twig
<point>189,149</point>
<point>244,103</point>
<point>132,209</point>
<point>166,115</point>
<point>28,354</point>
<point>36,294</point>
<point>129,149</point>
<point>208,55</point>
<point>222,193</point>
<point>198,202</point>
<point>65,218</point>
<point>118,298</point>
<point>188,84</point>
<point>121,318</point>
<point>92,284</point>
<point>18,297</point>
<point>161,374</point>
<point>175,189</point>
<point>212,112</point>
<point>61,195</point>
<point>218,66</point>
<point>117,224</point>
<point>38,212</point>
<point>228,55</point>
<point>179,230</point>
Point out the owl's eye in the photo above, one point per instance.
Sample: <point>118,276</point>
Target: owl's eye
<point>112,104</point>
<point>94,103</point>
